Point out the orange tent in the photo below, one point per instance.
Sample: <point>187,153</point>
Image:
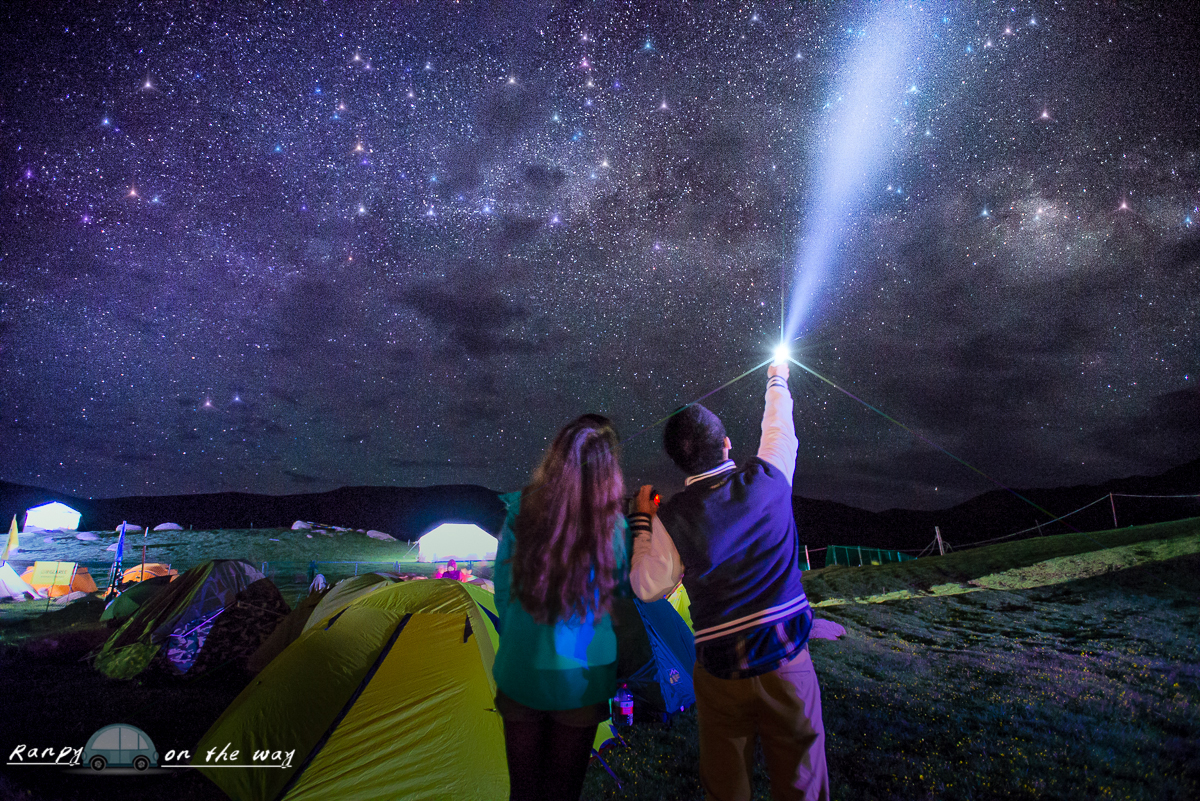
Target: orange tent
<point>142,572</point>
<point>82,581</point>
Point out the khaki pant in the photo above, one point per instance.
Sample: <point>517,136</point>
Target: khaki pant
<point>782,707</point>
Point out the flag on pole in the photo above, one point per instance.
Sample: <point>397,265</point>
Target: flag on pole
<point>115,575</point>
<point>13,540</point>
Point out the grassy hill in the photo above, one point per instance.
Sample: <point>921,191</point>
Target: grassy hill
<point>1059,667</point>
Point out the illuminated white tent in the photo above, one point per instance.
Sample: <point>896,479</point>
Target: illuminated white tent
<point>465,542</point>
<point>51,516</point>
<point>13,586</point>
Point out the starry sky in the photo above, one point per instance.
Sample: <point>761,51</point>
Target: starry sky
<point>286,247</point>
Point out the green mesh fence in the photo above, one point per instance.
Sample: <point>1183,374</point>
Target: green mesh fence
<point>857,556</point>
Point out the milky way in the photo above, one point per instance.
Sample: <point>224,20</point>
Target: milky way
<point>290,247</point>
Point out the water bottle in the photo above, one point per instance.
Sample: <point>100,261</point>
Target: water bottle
<point>624,713</point>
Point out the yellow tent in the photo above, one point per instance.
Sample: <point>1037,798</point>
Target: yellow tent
<point>390,698</point>
<point>683,605</point>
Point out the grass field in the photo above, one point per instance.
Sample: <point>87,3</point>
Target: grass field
<point>1055,668</point>
<point>1061,667</point>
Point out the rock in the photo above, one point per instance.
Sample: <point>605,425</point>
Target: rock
<point>86,536</point>
<point>300,525</point>
<point>274,540</point>
<point>309,536</point>
<point>339,528</point>
<point>130,528</point>
<point>826,629</point>
<point>320,531</point>
<point>168,527</point>
<point>379,535</point>
<point>112,547</point>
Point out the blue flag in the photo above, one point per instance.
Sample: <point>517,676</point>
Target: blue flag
<point>117,572</point>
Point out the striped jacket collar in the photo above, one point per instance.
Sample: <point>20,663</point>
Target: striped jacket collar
<point>723,467</point>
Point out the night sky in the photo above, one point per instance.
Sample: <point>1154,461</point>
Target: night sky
<point>280,248</point>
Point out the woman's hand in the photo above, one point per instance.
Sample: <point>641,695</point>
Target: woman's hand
<point>644,502</point>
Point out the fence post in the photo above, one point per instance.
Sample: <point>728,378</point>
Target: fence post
<point>860,562</point>
<point>807,560</point>
<point>1114,509</point>
<point>941,546</point>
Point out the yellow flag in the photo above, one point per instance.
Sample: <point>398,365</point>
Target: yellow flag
<point>13,540</point>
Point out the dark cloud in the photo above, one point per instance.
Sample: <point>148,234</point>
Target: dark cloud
<point>1164,435</point>
<point>474,317</point>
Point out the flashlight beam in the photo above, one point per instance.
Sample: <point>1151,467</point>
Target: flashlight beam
<point>929,442</point>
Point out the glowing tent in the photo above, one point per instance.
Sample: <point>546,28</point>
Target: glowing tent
<point>52,516</point>
<point>466,542</point>
<point>13,586</point>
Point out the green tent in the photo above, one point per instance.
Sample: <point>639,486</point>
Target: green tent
<point>131,599</point>
<point>173,625</point>
<point>391,697</point>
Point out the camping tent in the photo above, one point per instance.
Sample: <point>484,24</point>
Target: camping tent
<point>286,633</point>
<point>73,579</point>
<point>213,612</point>
<point>13,586</point>
<point>344,593</point>
<point>141,572</point>
<point>463,541</point>
<point>132,597</point>
<point>390,698</point>
<point>682,603</point>
<point>655,654</point>
<point>51,516</point>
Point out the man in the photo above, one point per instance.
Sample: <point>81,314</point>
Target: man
<point>730,535</point>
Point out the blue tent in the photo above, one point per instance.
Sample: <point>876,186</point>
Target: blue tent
<point>656,651</point>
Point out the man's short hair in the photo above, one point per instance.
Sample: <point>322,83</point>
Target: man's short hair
<point>694,438</point>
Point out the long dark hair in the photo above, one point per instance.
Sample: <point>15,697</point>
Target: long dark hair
<point>563,561</point>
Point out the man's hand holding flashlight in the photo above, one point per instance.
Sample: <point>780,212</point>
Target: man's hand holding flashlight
<point>778,369</point>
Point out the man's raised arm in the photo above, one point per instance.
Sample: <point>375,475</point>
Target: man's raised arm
<point>779,444</point>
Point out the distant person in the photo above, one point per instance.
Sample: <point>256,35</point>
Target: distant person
<point>560,559</point>
<point>450,571</point>
<point>730,535</point>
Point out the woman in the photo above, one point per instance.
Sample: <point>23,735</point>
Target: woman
<point>560,559</point>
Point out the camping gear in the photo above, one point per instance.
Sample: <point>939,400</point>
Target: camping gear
<point>51,517</point>
<point>466,542</point>
<point>62,578</point>
<point>13,586</point>
<point>392,697</point>
<point>178,621</point>
<point>132,597</point>
<point>655,654</point>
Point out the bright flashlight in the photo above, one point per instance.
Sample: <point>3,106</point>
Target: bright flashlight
<point>782,353</point>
